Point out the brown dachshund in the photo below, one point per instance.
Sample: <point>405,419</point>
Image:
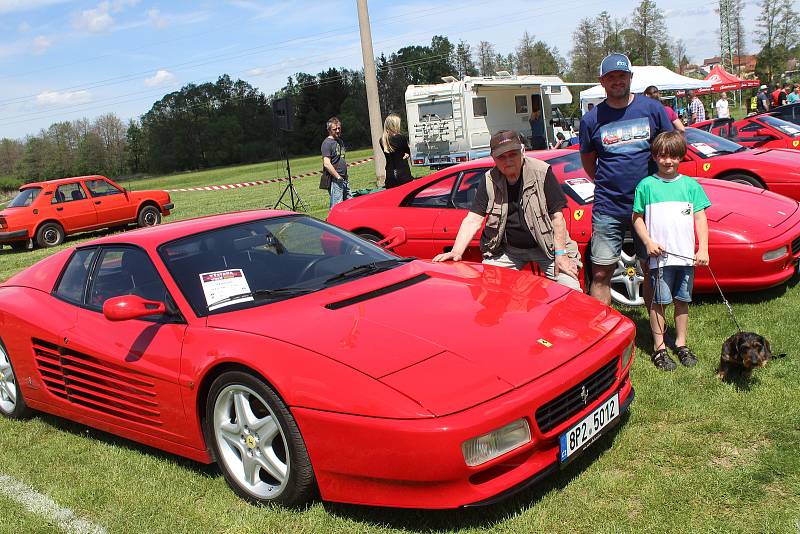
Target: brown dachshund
<point>741,353</point>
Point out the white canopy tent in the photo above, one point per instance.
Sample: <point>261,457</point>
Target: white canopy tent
<point>643,77</point>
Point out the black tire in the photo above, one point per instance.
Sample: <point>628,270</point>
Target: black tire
<point>148,216</point>
<point>12,403</point>
<point>268,443</point>
<point>50,234</point>
<point>369,235</point>
<point>745,179</point>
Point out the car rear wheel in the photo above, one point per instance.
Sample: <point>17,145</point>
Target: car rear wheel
<point>745,179</point>
<point>627,280</point>
<point>49,235</point>
<point>148,216</point>
<point>12,404</point>
<point>256,441</point>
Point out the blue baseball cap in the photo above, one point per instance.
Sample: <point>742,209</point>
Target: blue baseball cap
<point>614,62</point>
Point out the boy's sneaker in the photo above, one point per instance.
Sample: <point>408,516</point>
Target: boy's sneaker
<point>686,356</point>
<point>662,360</point>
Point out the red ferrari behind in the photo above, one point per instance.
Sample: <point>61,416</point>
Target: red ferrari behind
<point>754,235</point>
<point>758,131</point>
<point>305,360</point>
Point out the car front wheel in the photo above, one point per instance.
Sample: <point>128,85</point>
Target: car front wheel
<point>49,235</point>
<point>12,405</point>
<point>745,179</point>
<point>256,441</point>
<point>148,216</point>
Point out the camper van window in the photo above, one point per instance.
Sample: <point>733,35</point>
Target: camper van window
<point>432,111</point>
<point>479,106</point>
<point>555,90</point>
<point>521,102</point>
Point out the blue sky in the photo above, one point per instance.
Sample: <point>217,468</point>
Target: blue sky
<point>64,60</point>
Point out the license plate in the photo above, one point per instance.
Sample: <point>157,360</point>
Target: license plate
<point>589,428</point>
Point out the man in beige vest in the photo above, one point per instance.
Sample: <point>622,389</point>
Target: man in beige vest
<point>521,201</point>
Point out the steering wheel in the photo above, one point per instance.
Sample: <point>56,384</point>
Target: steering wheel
<point>307,269</point>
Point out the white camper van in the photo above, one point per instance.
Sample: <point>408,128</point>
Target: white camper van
<point>452,122</point>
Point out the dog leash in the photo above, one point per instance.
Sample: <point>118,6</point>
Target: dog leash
<point>721,294</point>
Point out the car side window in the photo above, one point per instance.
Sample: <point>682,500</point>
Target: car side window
<point>101,188</point>
<point>68,193</point>
<point>436,195</point>
<point>73,279</point>
<point>125,271</point>
<point>752,127</point>
<point>467,188</point>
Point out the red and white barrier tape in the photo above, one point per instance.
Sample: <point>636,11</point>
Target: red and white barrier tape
<point>259,182</point>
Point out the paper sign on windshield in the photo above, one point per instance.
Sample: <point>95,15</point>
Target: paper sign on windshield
<point>705,149</point>
<point>583,187</point>
<point>219,285</point>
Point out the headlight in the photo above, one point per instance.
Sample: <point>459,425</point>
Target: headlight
<point>775,254</point>
<point>627,354</point>
<point>489,446</point>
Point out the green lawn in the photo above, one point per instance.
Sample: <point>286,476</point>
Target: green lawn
<point>694,455</point>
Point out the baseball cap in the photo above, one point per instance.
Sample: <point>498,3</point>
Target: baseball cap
<point>504,141</point>
<point>614,62</point>
<point>762,87</point>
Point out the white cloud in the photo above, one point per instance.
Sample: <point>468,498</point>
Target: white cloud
<point>58,98</point>
<point>41,44</point>
<point>156,19</point>
<point>262,11</point>
<point>256,72</point>
<point>97,20</point>
<point>12,6</point>
<point>162,77</point>
<point>24,27</point>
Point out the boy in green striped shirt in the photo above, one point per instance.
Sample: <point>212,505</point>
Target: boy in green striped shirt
<point>667,209</point>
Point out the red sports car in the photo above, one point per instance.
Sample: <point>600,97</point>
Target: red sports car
<point>758,131</point>
<point>302,358</point>
<point>48,211</point>
<point>754,235</point>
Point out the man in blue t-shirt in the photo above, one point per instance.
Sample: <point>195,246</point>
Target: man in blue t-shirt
<point>615,140</point>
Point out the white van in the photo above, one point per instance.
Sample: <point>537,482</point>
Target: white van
<point>452,122</point>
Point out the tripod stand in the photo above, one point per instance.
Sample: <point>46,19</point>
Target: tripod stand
<point>294,196</point>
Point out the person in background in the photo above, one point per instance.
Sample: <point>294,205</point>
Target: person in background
<point>536,120</point>
<point>521,201</point>
<point>333,161</point>
<point>561,141</point>
<point>589,107</point>
<point>396,151</point>
<point>784,94</point>
<point>794,96</point>
<point>722,107</point>
<point>762,100</point>
<point>653,92</point>
<point>697,112</point>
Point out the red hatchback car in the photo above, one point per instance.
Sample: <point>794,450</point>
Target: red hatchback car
<point>758,131</point>
<point>754,235</point>
<point>46,212</point>
<point>303,359</point>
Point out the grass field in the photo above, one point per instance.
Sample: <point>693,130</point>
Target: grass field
<point>694,455</point>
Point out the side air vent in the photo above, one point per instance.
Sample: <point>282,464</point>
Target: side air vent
<point>378,292</point>
<point>101,386</point>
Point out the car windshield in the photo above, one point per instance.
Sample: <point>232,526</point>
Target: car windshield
<point>574,181</point>
<point>25,197</point>
<point>707,145</point>
<point>787,128</point>
<point>268,260</point>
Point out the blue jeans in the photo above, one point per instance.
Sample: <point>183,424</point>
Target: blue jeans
<point>340,190</point>
<point>608,235</point>
<point>672,282</point>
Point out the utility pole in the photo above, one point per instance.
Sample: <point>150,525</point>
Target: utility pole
<point>371,81</point>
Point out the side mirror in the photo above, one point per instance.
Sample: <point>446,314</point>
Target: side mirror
<point>396,237</point>
<point>131,307</point>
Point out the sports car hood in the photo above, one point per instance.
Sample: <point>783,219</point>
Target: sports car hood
<point>475,331</point>
<point>747,211</point>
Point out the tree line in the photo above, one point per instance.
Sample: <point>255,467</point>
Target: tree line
<point>230,121</point>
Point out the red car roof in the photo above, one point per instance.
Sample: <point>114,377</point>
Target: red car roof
<point>60,181</point>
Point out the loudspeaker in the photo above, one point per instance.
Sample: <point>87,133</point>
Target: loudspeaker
<point>283,114</point>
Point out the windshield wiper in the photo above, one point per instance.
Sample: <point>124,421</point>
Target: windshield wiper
<point>284,292</point>
<point>367,268</point>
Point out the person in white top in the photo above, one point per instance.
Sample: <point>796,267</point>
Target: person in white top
<point>722,107</point>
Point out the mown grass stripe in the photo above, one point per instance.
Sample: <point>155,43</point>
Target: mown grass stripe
<point>43,505</point>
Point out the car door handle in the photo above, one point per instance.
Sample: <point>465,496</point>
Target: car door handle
<point>97,202</point>
<point>59,209</point>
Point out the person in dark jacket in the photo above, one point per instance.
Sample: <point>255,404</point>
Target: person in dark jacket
<point>396,150</point>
